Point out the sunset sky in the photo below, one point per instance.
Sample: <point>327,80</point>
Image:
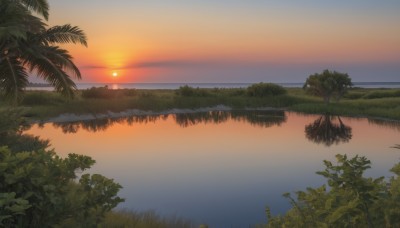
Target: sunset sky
<point>233,40</point>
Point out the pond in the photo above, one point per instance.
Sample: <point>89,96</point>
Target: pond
<point>221,168</point>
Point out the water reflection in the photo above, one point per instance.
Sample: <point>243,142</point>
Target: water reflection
<point>228,169</point>
<point>255,118</point>
<point>386,123</point>
<point>104,124</point>
<point>328,130</point>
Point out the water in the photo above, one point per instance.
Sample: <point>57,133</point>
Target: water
<point>208,85</point>
<point>221,168</point>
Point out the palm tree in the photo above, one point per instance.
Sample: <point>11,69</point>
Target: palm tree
<point>27,46</point>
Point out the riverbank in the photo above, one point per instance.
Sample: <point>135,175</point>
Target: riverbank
<point>49,106</point>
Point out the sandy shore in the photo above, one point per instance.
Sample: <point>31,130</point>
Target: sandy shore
<point>69,117</point>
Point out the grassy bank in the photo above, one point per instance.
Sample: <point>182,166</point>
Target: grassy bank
<point>40,105</point>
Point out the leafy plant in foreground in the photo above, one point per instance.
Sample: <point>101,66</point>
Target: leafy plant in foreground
<point>348,200</point>
<point>38,189</point>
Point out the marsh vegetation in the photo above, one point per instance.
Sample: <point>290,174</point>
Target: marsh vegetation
<point>40,105</point>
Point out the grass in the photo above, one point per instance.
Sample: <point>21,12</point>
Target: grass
<point>379,103</point>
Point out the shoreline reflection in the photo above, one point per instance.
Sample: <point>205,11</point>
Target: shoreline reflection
<point>256,118</point>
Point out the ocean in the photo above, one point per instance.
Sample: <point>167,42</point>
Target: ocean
<point>206,85</point>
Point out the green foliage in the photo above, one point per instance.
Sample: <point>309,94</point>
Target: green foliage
<point>11,127</point>
<point>142,220</point>
<point>27,46</point>
<point>236,98</point>
<point>187,91</point>
<point>328,84</point>
<point>99,93</point>
<point>350,200</point>
<point>38,190</point>
<point>106,93</point>
<point>265,89</point>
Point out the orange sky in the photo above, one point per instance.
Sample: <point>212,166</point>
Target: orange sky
<point>233,41</point>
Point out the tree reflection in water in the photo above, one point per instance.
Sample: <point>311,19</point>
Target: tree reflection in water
<point>328,130</point>
<point>103,124</point>
<point>256,118</point>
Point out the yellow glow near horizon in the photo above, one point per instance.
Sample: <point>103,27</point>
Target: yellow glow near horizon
<point>115,74</point>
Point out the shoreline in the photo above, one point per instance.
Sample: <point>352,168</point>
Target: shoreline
<point>70,117</point>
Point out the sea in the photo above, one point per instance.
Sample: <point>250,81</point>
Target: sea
<point>83,86</point>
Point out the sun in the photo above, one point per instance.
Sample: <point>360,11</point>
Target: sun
<point>114,74</point>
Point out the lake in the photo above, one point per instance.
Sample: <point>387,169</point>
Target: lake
<point>221,168</point>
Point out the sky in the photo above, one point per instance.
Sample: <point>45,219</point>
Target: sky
<point>214,41</point>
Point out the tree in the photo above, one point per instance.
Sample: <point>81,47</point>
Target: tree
<point>27,46</point>
<point>328,84</point>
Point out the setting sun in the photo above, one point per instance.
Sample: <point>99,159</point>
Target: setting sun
<point>114,74</point>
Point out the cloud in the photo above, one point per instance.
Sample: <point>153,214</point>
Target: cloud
<point>93,67</point>
<point>162,64</point>
<point>174,64</point>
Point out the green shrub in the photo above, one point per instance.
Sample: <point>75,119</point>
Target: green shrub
<point>39,189</point>
<point>347,200</point>
<point>99,93</point>
<point>187,91</point>
<point>265,89</point>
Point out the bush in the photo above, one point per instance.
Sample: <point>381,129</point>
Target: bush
<point>187,91</point>
<point>38,189</point>
<point>265,89</point>
<point>99,93</point>
<point>106,93</point>
<point>347,200</point>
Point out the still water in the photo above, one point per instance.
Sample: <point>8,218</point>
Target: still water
<point>221,168</point>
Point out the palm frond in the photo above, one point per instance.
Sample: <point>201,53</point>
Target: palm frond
<point>13,78</point>
<point>64,34</point>
<point>397,146</point>
<point>46,67</point>
<point>39,6</point>
<point>16,20</point>
<point>59,57</point>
